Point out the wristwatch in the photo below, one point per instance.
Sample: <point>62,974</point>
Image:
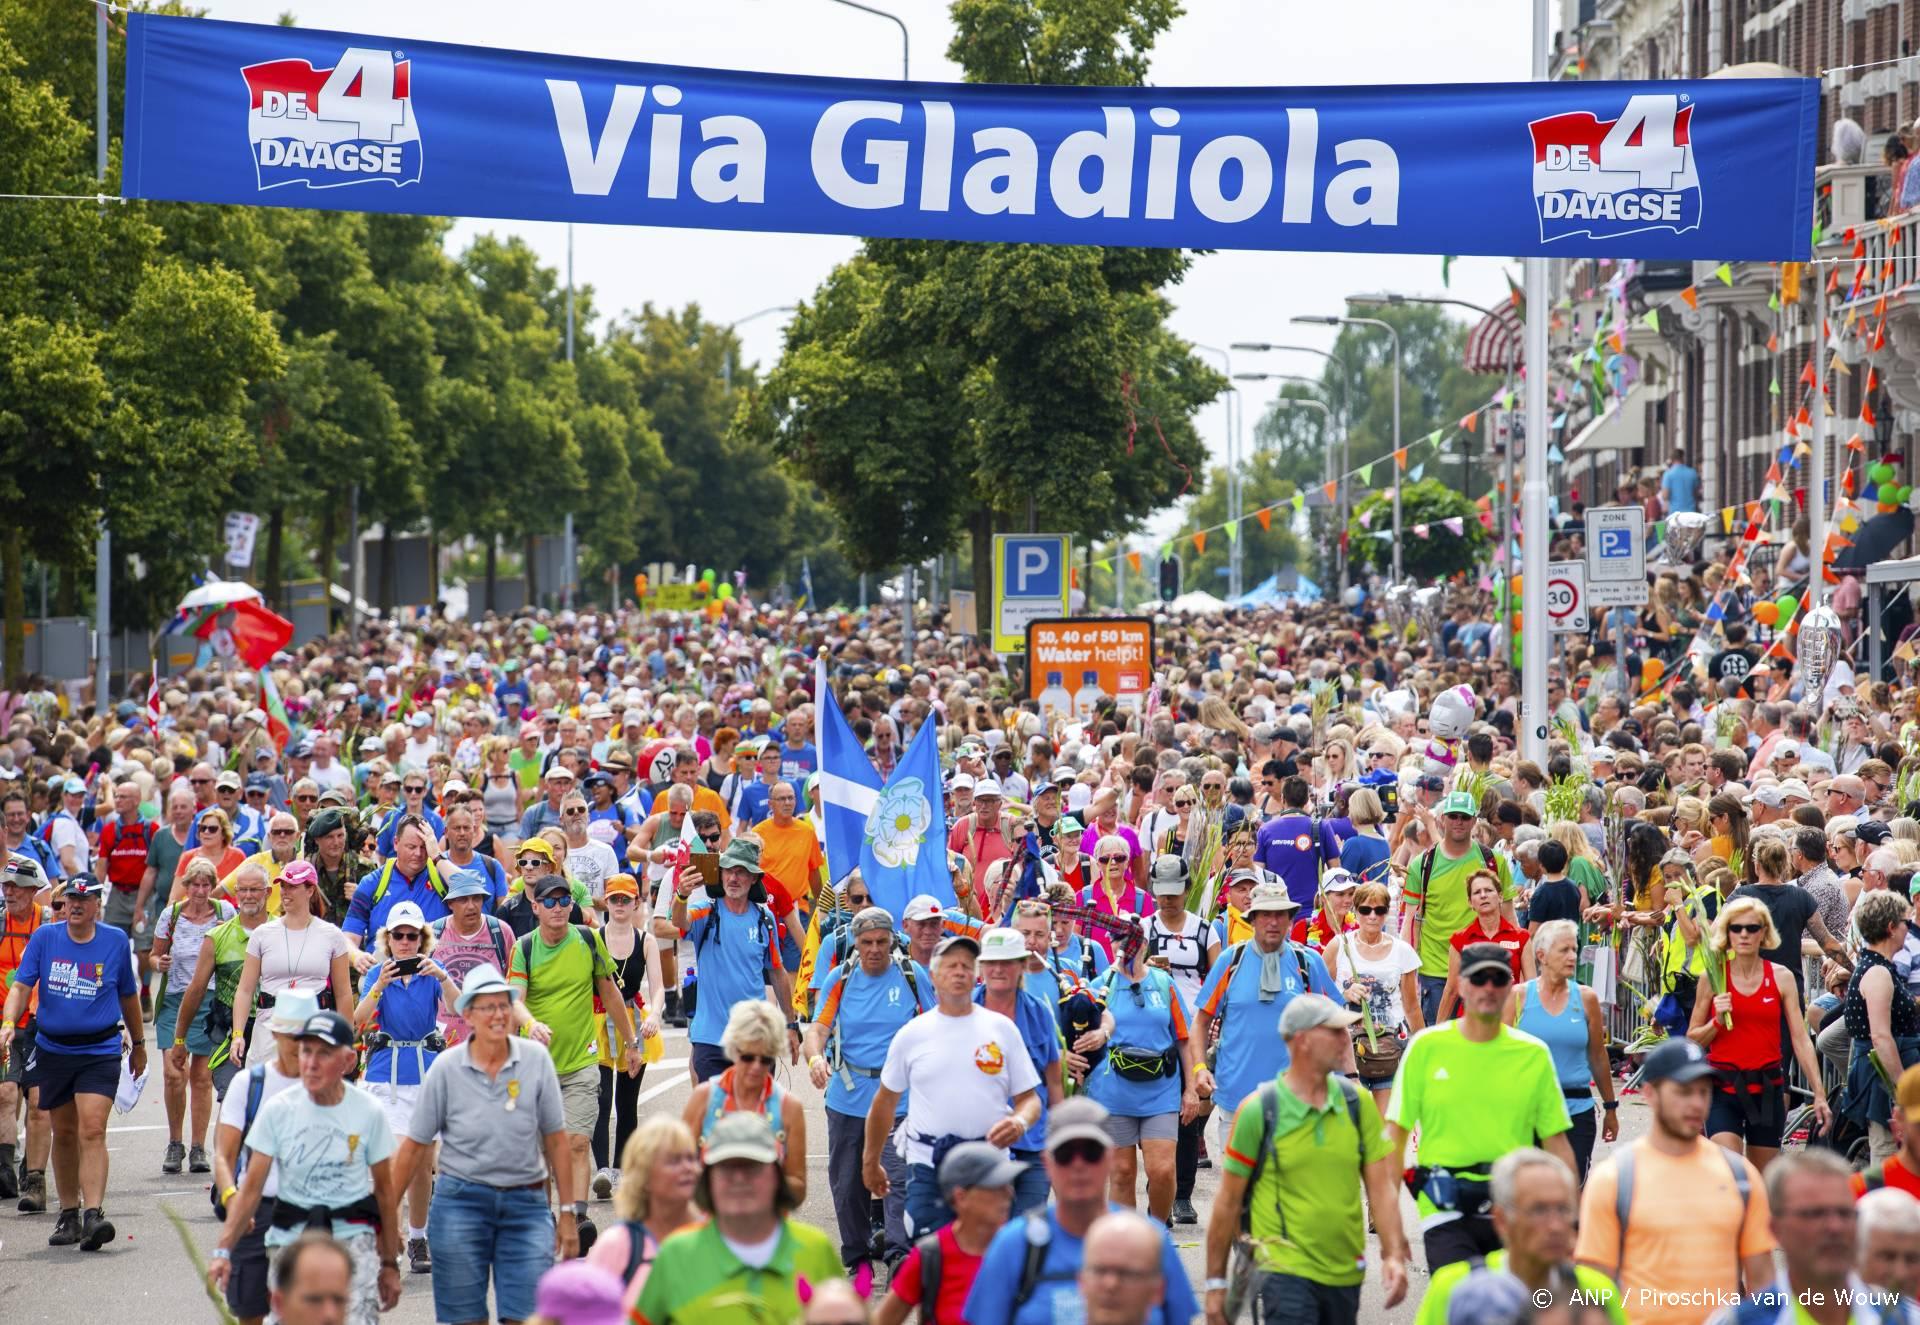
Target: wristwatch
<point>390,1262</point>
<point>1610,1105</point>
<point>219,1254</point>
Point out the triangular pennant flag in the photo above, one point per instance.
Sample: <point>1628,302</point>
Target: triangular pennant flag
<point>1506,402</point>
<point>1133,560</point>
<point>1366,473</point>
<point>1299,501</point>
<point>1773,343</point>
<point>1200,542</point>
<point>1692,296</point>
<point>1233,531</point>
<point>1773,387</point>
<point>1331,487</point>
<point>1470,422</point>
<point>1366,518</point>
<point>1866,413</point>
<point>1839,366</point>
<point>1265,516</point>
<point>1166,550</point>
<point>1619,345</point>
<point>1726,520</point>
<point>1455,524</point>
<point>1724,273</point>
<point>1105,565</point>
<point>1652,319</point>
<point>1421,530</point>
<point>1400,458</point>
<point>1413,475</point>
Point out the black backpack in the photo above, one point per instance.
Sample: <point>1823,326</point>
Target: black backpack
<point>637,1253</point>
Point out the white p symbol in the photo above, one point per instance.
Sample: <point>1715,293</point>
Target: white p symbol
<point>1032,561</point>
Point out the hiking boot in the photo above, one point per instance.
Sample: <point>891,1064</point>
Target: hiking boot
<point>66,1230</point>
<point>603,1184</point>
<point>419,1258</point>
<point>673,1016</point>
<point>176,1156</point>
<point>9,1176</point>
<point>95,1230</point>
<point>588,1234</point>
<point>1183,1213</point>
<point>197,1160</point>
<point>33,1193</point>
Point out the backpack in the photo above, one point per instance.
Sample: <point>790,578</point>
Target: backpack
<point>112,830</point>
<point>1269,1099</point>
<point>434,881</point>
<point>1623,1197</point>
<point>932,1270</point>
<point>637,1253</point>
<point>1425,869</point>
<point>1039,1237</point>
<point>256,1089</point>
<point>495,931</point>
<point>1233,965</point>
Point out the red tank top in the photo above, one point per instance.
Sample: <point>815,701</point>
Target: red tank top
<point>1754,1041</point>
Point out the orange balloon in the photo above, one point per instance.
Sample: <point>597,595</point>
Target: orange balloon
<point>1650,673</point>
<point>1516,585</point>
<point>1766,613</point>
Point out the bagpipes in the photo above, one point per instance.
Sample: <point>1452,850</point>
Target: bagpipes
<point>1080,1010</point>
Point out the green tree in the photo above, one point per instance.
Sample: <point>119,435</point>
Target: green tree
<point>1441,553</point>
<point>938,390</point>
<point>1263,550</point>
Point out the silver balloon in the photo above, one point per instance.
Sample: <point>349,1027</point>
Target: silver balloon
<point>1398,601</point>
<point>1685,533</point>
<point>1430,612</point>
<point>1819,647</point>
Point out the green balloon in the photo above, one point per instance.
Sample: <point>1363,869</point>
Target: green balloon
<point>541,634</point>
<point>1901,493</point>
<point>1880,472</point>
<point>707,576</point>
<point>1788,605</point>
<point>724,592</point>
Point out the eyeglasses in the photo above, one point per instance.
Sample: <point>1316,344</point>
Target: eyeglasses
<point>413,790</point>
<point>572,814</point>
<point>762,1060</point>
<point>1460,818</point>
<point>1746,929</point>
<point>1080,1151</point>
<point>1490,976</point>
<point>201,782</point>
<point>1370,910</point>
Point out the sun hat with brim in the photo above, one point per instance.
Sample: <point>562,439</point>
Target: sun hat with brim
<point>1003,945</point>
<point>1079,1118</point>
<point>466,883</point>
<point>742,853</point>
<point>292,1012</point>
<point>1483,957</point>
<point>1305,1012</point>
<point>480,980</point>
<point>21,872</point>
<point>1270,897</point>
<point>1457,802</point>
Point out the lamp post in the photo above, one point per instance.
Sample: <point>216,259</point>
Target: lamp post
<point>906,52</point>
<point>1535,653</point>
<point>1326,423</point>
<point>1344,494</point>
<point>726,361</point>
<point>1235,417</point>
<point>1393,331</point>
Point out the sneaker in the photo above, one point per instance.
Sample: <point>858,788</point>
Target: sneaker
<point>96,1231</point>
<point>603,1184</point>
<point>419,1259</point>
<point>1183,1213</point>
<point>588,1234</point>
<point>66,1230</point>
<point>176,1156</point>
<point>33,1193</point>
<point>197,1160</point>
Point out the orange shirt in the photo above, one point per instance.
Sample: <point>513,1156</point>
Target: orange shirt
<point>789,855</point>
<point>13,942</point>
<point>1896,1175</point>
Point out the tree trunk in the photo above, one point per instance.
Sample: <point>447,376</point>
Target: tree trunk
<point>66,596</point>
<point>276,545</point>
<point>329,535</point>
<point>532,574</point>
<point>13,589</point>
<point>493,573</point>
<point>981,525</point>
<point>388,569</point>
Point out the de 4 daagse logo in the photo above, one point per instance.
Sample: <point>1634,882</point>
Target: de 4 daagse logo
<point>1603,178</point>
<point>327,128</point>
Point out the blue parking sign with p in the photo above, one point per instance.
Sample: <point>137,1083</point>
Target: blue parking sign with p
<point>1032,577</point>
<point>1616,543</point>
<point>1033,567</point>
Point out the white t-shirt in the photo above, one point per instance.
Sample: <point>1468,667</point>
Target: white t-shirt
<point>1381,976</point>
<point>296,958</point>
<point>960,1075</point>
<point>417,753</point>
<point>63,832</point>
<point>323,1156</point>
<point>592,864</point>
<point>233,1111</point>
<point>335,774</point>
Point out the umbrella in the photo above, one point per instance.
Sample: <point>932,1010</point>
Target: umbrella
<point>1875,540</point>
<point>219,593</point>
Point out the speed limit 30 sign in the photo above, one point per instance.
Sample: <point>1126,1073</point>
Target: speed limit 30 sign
<point>1567,596</point>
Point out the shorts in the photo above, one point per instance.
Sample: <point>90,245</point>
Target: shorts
<point>1132,1131</point>
<point>580,1099</point>
<point>1726,1115</point>
<point>199,1038</point>
<point>62,1076</point>
<point>396,1102</point>
<point>247,1284</point>
<point>118,911</point>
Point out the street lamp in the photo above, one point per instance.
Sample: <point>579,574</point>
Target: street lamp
<point>905,47</point>
<point>1346,396</point>
<point>1326,423</point>
<point>1236,416</point>
<point>1331,321</point>
<point>726,362</point>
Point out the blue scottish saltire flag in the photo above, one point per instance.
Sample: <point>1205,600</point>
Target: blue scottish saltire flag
<point>849,784</point>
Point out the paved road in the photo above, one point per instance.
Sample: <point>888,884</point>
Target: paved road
<point>145,1276</point>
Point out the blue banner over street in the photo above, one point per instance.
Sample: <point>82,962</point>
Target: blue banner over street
<point>242,113</point>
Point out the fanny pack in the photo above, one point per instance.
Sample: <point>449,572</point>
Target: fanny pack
<point>1132,1063</point>
<point>1451,1191</point>
<point>83,1040</point>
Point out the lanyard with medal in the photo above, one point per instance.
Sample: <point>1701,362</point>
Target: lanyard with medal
<point>513,1095</point>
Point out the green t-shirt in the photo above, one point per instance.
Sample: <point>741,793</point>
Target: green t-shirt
<point>1305,1209</point>
<point>1442,901</point>
<point>697,1278</point>
<point>526,768</point>
<point>560,989</point>
<point>1595,1288</point>
<point>228,940</point>
<point>1472,1103</point>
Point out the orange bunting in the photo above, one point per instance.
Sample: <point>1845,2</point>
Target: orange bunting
<point>1619,346</point>
<point>1773,344</point>
<point>1806,374</point>
<point>1691,296</point>
<point>1400,458</point>
<point>1332,488</point>
<point>1471,422</point>
<point>1265,514</point>
<point>1200,542</point>
<point>1133,558</point>
<point>1866,413</point>
<point>1873,377</point>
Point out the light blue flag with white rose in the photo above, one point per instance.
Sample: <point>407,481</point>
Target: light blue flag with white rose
<point>904,852</point>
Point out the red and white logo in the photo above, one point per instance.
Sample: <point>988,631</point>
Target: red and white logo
<point>1604,178</point>
<point>325,128</point>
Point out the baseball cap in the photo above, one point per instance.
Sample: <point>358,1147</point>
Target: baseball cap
<point>228,781</point>
<point>1795,789</point>
<point>1873,831</point>
<point>328,1027</point>
<point>958,940</point>
<point>869,919</point>
<point>466,883</point>
<point>291,1013</point>
<point>1002,945</point>
<point>923,907</point>
<point>259,782</point>
<point>741,1135</point>
<point>419,719</point>
<point>961,780</point>
<point>1078,1119</point>
<point>622,885</point>
<point>977,1164</point>
<point>1339,881</point>
<point>1271,897</point>
<point>1770,794</point>
<point>1169,874</point>
<point>553,885</point>
<point>1458,802</point>
<point>1304,1012</point>
<point>559,773</point>
<point>1678,1059</point>
<point>1483,957</point>
<point>84,885</point>
<point>406,913</point>
<point>1066,823</point>
<point>536,846</point>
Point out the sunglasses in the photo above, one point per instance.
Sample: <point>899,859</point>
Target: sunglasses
<point>1370,910</point>
<point>528,862</point>
<point>571,814</point>
<point>1462,818</point>
<point>709,838</point>
<point>404,935</point>
<point>1080,1151</point>
<point>551,902</point>
<point>1746,929</point>
<point>201,782</point>
<point>281,832</point>
<point>1186,803</point>
<point>1109,860</point>
<point>763,1060</point>
<point>1500,979</point>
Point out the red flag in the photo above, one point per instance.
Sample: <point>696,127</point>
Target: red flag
<point>153,702</point>
<point>256,630</point>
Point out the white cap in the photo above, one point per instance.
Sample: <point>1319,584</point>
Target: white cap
<point>1079,796</point>
<point>962,780</point>
<point>406,913</point>
<point>419,719</point>
<point>923,907</point>
<point>1003,945</point>
<point>1794,787</point>
<point>987,787</point>
<point>377,674</point>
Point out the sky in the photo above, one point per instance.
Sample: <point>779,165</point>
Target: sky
<point>1226,297</point>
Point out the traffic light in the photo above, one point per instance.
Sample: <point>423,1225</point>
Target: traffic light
<point>1169,579</point>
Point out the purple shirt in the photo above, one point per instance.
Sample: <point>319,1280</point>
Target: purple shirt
<point>1091,838</point>
<point>1290,846</point>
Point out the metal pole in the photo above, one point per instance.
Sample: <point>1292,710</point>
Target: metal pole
<point>1119,577</point>
<point>1397,471</point>
<point>103,547</point>
<point>566,541</point>
<point>1533,597</point>
<point>1817,461</point>
<point>353,561</point>
<point>906,612</point>
<point>906,49</point>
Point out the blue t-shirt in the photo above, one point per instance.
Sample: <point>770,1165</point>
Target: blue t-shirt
<point>867,1010</point>
<point>1251,1049</point>
<point>1290,846</point>
<point>1039,1025</point>
<point>81,985</point>
<point>753,807</point>
<point>409,1010</point>
<point>384,843</point>
<point>736,956</point>
<point>364,919</point>
<point>796,762</point>
<point>1149,1016</point>
<point>1365,857</point>
<point>1681,483</point>
<point>1056,1296</point>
